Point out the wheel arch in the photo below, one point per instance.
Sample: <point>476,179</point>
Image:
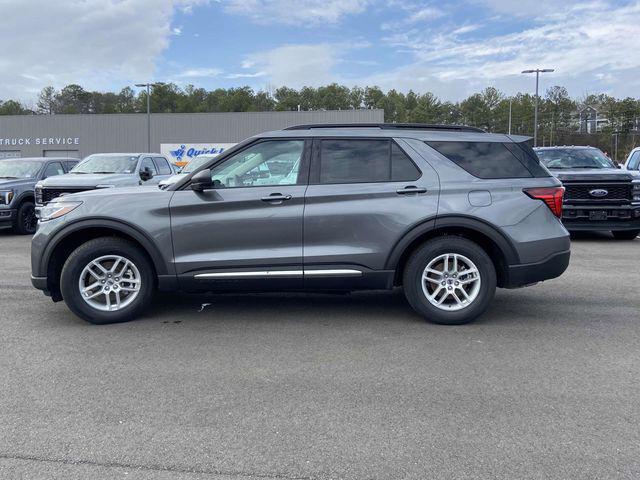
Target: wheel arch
<point>498,247</point>
<point>75,234</point>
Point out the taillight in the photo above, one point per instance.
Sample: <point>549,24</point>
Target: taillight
<point>552,196</point>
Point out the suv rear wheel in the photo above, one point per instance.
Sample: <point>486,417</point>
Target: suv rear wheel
<point>107,280</point>
<point>625,234</point>
<point>450,280</point>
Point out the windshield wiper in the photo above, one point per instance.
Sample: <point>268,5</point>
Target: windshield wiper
<point>589,166</point>
<point>10,178</point>
<point>98,173</point>
<point>79,173</point>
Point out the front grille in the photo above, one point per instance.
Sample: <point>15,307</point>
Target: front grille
<point>580,193</point>
<point>49,194</point>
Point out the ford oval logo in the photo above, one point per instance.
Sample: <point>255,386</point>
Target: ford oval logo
<point>599,192</point>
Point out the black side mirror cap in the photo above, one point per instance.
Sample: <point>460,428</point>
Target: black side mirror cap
<point>201,181</point>
<point>146,174</point>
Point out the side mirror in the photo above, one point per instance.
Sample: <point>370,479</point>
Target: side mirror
<point>145,174</point>
<point>618,165</point>
<point>202,181</point>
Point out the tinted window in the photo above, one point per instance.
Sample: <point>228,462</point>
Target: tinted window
<point>163,166</point>
<point>148,163</point>
<point>53,169</point>
<point>527,156</point>
<point>402,168</point>
<point>483,159</point>
<point>354,161</point>
<point>274,162</point>
<point>364,161</point>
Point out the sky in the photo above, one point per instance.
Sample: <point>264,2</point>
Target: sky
<point>451,48</point>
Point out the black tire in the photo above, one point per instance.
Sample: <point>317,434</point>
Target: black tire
<point>26,220</point>
<point>92,250</point>
<point>412,279</point>
<point>626,234</point>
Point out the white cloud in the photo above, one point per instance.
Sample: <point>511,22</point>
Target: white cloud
<point>296,65</point>
<point>94,43</point>
<point>579,41</point>
<point>199,73</point>
<point>296,12</point>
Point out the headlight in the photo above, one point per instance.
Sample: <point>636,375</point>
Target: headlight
<point>56,210</point>
<point>6,196</point>
<point>636,192</point>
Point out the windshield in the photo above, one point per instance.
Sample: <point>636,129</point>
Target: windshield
<point>564,158</point>
<point>18,169</point>
<point>196,163</point>
<point>106,164</point>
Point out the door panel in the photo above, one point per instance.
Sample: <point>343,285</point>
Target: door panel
<point>359,223</point>
<point>247,232</point>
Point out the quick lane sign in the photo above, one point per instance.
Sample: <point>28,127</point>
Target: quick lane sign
<point>183,152</point>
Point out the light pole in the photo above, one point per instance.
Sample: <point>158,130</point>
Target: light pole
<point>537,71</point>
<point>148,85</point>
<point>510,102</point>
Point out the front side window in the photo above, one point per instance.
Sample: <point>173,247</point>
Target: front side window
<point>106,164</point>
<point>273,162</point>
<point>53,169</point>
<point>147,163</point>
<point>364,161</point>
<point>634,162</point>
<point>486,160</point>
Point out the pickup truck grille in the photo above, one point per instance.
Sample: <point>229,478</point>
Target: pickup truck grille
<point>46,194</point>
<point>581,193</point>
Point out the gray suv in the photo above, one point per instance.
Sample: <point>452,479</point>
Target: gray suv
<point>448,213</point>
<point>107,170</point>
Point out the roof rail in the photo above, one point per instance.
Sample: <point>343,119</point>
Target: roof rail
<point>389,126</point>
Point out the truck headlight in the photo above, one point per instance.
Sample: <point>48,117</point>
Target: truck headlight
<point>6,196</point>
<point>636,192</point>
<point>56,210</point>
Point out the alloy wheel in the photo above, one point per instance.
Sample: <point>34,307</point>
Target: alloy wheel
<point>451,282</point>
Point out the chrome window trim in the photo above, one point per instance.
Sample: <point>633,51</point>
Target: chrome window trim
<point>336,272</point>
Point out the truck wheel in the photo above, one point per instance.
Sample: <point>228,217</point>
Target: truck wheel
<point>26,220</point>
<point>450,280</point>
<point>626,234</point>
<point>107,280</point>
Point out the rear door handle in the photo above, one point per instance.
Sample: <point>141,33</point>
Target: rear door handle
<point>410,189</point>
<point>276,197</point>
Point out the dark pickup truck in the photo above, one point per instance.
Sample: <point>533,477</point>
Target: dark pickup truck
<point>598,196</point>
<point>17,181</point>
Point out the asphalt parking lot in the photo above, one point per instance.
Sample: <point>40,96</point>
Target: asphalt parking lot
<point>546,385</point>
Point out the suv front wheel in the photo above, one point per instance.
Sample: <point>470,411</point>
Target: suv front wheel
<point>107,280</point>
<point>450,280</point>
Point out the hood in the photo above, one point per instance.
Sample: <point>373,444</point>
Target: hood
<point>16,182</point>
<point>596,174</point>
<point>172,179</point>
<point>91,180</point>
<point>102,192</point>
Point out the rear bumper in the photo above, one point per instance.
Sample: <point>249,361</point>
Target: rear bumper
<point>529,273</point>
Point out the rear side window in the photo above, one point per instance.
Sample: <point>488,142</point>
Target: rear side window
<point>162,165</point>
<point>483,159</point>
<point>364,161</point>
<point>527,156</point>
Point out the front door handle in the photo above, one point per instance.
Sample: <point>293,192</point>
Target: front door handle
<point>410,189</point>
<point>276,197</point>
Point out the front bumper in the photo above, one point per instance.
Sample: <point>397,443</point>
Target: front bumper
<point>530,273</point>
<point>619,218</point>
<point>7,217</point>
